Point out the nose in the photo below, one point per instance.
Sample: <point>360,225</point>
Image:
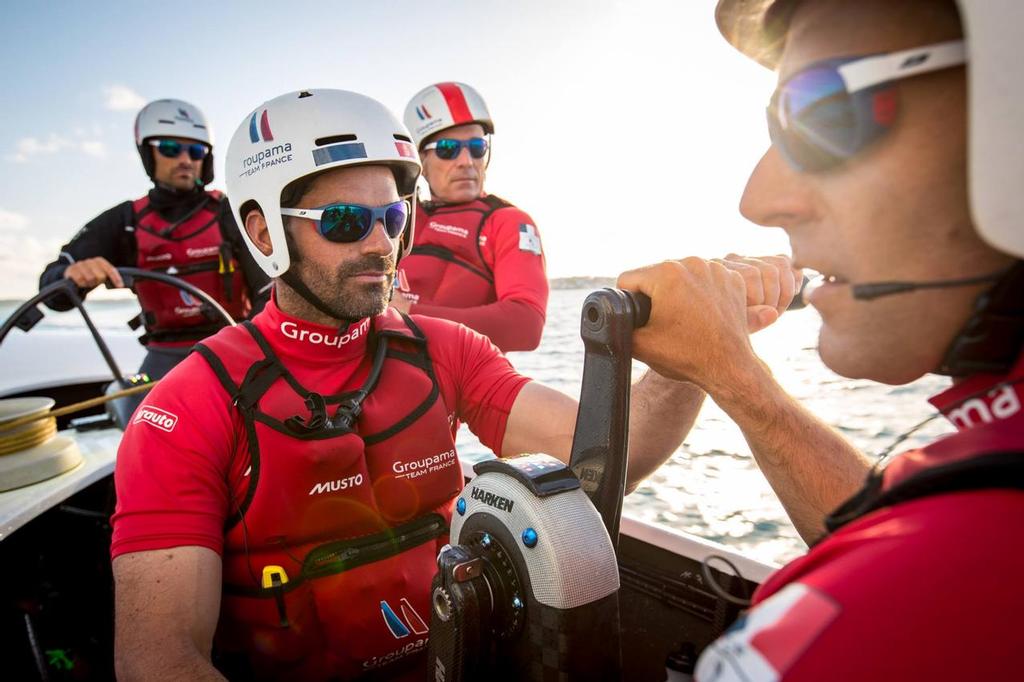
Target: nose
<point>464,158</point>
<point>776,195</point>
<point>378,241</point>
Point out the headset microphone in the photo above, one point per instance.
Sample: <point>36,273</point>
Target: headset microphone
<point>868,292</point>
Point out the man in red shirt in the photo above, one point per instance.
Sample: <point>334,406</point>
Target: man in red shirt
<point>289,485</point>
<point>477,259</point>
<point>893,169</point>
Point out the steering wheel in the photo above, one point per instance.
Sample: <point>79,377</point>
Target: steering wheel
<point>28,314</point>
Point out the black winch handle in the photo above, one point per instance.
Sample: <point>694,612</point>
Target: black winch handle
<point>601,440</point>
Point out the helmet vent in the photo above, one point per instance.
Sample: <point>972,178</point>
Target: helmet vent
<point>321,141</point>
<point>403,138</point>
<point>164,120</point>
<point>305,93</point>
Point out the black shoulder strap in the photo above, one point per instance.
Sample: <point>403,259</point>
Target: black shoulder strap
<point>989,471</point>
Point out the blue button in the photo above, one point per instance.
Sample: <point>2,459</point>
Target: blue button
<point>460,506</point>
<point>530,537</point>
<point>517,603</point>
<point>486,540</point>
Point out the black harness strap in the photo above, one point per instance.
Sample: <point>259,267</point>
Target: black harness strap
<point>984,472</point>
<point>343,555</point>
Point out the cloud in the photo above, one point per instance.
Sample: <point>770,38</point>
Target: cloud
<point>29,147</point>
<point>22,257</point>
<point>12,222</point>
<point>123,98</point>
<point>93,148</point>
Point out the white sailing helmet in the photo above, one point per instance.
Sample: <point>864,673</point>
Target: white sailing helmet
<point>172,118</point>
<point>995,101</point>
<point>303,133</point>
<point>445,105</point>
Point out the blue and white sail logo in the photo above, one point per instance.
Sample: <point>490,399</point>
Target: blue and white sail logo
<point>408,623</point>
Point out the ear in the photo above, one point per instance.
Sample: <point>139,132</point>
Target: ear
<point>256,228</point>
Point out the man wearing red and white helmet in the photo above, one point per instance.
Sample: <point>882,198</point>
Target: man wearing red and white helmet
<point>179,227</point>
<point>894,169</point>
<point>478,259</point>
<point>289,485</point>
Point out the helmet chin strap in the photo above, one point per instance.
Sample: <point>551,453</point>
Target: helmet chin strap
<point>993,337</point>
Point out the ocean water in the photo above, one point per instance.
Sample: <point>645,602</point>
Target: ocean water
<point>711,486</point>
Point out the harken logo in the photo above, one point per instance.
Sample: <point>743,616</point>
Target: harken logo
<point>187,298</point>
<point>409,622</point>
<point>183,115</point>
<point>161,419</point>
<point>261,130</point>
<point>492,500</point>
<point>422,112</point>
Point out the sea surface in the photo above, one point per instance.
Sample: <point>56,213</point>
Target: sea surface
<point>711,486</point>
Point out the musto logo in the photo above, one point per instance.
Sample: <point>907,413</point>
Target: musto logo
<point>161,419</point>
<point>427,465</point>
<point>336,485</point>
<point>292,331</point>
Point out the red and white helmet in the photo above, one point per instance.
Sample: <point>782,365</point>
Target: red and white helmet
<point>172,118</point>
<point>995,107</point>
<point>304,133</point>
<point>445,105</point>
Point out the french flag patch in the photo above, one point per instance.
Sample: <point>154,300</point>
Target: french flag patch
<point>764,643</point>
<point>529,240</point>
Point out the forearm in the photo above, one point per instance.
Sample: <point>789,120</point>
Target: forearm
<point>511,325</point>
<point>809,465</point>
<point>661,413</point>
<point>177,660</point>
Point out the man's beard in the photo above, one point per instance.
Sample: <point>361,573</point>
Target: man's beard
<point>344,298</point>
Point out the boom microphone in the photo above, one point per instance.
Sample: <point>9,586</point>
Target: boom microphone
<point>873,290</point>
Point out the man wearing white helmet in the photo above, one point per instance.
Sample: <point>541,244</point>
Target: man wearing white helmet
<point>894,169</point>
<point>179,227</point>
<point>477,259</point>
<point>289,485</point>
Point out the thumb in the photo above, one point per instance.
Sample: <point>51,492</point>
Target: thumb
<point>760,316</point>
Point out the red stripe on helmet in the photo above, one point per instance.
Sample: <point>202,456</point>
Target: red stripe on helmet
<point>456,102</point>
<point>265,127</point>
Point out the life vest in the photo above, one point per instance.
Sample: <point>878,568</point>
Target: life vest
<point>193,249</point>
<point>447,265</point>
<point>329,556</point>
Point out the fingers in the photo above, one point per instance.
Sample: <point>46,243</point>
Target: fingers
<point>770,280</point>
<point>91,272</point>
<point>760,316</point>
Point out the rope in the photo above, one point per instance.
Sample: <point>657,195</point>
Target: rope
<point>13,438</point>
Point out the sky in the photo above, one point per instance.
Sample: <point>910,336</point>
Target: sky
<point>626,129</point>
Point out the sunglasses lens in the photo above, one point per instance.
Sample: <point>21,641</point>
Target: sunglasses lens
<point>814,121</point>
<point>448,149</point>
<point>344,223</point>
<point>197,151</point>
<point>477,147</point>
<point>395,218</point>
<point>169,148</point>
